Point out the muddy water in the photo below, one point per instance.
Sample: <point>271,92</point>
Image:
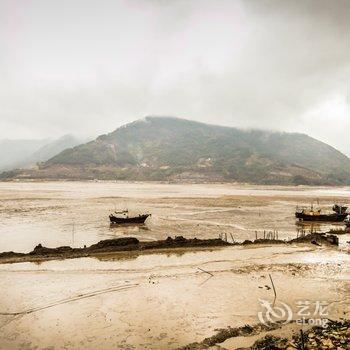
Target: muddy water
<point>156,301</point>
<point>76,213</point>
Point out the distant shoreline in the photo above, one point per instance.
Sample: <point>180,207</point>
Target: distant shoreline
<point>238,184</point>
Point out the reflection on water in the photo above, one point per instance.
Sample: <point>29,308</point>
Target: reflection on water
<point>147,255</point>
<point>126,228</point>
<point>304,228</point>
<point>134,230</point>
<point>311,227</point>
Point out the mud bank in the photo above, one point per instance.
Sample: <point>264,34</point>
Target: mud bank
<point>335,336</point>
<point>131,244</point>
<point>340,231</point>
<point>314,238</point>
<point>127,244</point>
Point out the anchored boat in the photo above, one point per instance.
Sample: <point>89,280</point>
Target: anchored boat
<point>122,217</point>
<point>339,214</point>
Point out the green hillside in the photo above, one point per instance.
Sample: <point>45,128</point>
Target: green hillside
<point>160,148</point>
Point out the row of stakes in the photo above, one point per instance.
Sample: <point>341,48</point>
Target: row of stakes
<point>271,235</point>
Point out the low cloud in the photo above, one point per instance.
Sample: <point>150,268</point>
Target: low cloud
<point>86,67</point>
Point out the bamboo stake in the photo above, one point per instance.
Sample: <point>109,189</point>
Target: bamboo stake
<point>233,241</point>
<point>302,339</point>
<point>274,289</point>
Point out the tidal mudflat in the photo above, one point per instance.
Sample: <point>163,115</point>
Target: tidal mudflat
<point>160,300</point>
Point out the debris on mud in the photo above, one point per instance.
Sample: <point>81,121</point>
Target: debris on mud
<point>318,238</point>
<point>264,241</point>
<point>339,231</point>
<point>335,336</point>
<point>227,333</point>
<point>314,238</point>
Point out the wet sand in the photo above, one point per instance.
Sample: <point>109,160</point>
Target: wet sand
<point>160,301</point>
<point>156,301</point>
<point>76,213</point>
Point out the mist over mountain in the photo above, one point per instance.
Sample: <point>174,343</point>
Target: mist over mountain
<point>26,153</point>
<point>13,152</point>
<point>54,147</point>
<point>173,149</point>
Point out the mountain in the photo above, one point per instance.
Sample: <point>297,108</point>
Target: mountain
<point>173,149</point>
<point>26,153</point>
<point>14,152</point>
<point>54,147</point>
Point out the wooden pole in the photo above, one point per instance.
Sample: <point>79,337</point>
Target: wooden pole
<point>233,241</point>
<point>302,339</point>
<point>274,289</point>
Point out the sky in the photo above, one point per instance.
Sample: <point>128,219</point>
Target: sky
<point>86,67</point>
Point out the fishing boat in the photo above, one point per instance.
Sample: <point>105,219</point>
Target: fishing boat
<point>339,214</point>
<point>122,217</point>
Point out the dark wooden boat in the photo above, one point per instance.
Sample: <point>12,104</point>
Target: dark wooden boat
<point>339,214</point>
<point>126,219</point>
<point>334,217</point>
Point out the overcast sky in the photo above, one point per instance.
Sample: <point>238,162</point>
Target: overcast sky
<point>88,66</point>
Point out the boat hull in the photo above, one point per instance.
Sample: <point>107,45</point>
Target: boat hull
<point>132,220</point>
<point>325,217</point>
